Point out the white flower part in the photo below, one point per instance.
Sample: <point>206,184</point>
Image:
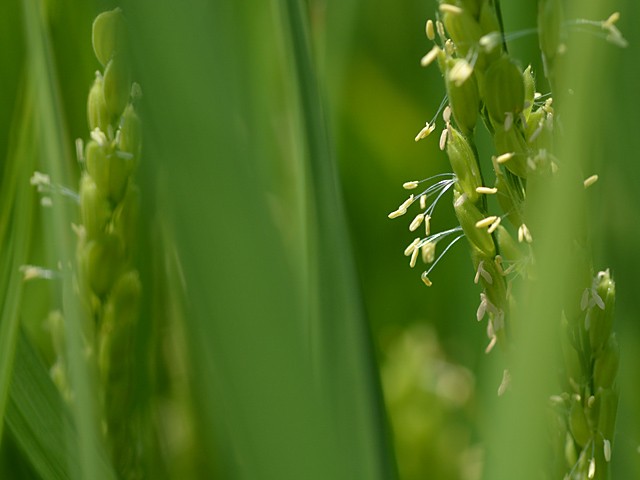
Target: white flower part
<point>425,279</point>
<point>423,203</point>
<point>39,179</point>
<point>486,190</point>
<point>461,199</point>
<point>443,139</point>
<point>46,202</point>
<point>430,56</point>
<point>428,252</point>
<point>508,121</point>
<point>448,8</point>
<point>446,114</point>
<point>99,137</point>
<point>592,468</point>
<point>536,132</point>
<point>397,213</point>
<point>410,185</point>
<point>490,41</point>
<point>607,450</point>
<point>482,308</point>
<point>80,150</point>
<point>485,222</point>
<point>417,221</point>
<point>492,343</point>
<point>590,181</point>
<point>414,257</point>
<point>427,225</point>
<point>425,132</point>
<point>524,235</point>
<point>505,157</point>
<point>411,247</point>
<point>613,18</point>
<point>31,272</point>
<point>597,300</point>
<point>460,72</point>
<point>430,30</point>
<point>584,300</point>
<point>492,228</point>
<point>440,28</point>
<point>407,203</point>
<point>506,381</point>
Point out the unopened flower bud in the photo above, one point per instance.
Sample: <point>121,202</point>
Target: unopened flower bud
<point>108,34</point>
<point>504,90</point>
<point>600,320</point>
<point>463,98</point>
<point>608,400</point>
<point>102,260</point>
<point>130,138</point>
<point>464,164</point>
<point>97,112</point>
<point>606,364</point>
<point>117,85</point>
<point>94,208</point>
<point>512,143</point>
<point>578,423</point>
<point>463,29</point>
<point>468,215</point>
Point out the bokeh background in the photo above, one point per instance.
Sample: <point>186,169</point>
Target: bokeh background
<point>297,341</point>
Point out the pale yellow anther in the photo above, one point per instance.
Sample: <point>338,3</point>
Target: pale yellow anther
<point>430,30</point>
<point>506,381</point>
<point>397,213</point>
<point>443,139</point>
<point>447,8</point>
<point>537,95</point>
<point>427,225</point>
<point>492,228</point>
<point>411,247</point>
<point>607,450</point>
<point>407,203</point>
<point>508,121</point>
<point>524,234</point>
<point>430,56</point>
<point>590,181</point>
<point>485,222</point>
<point>416,222</point>
<point>428,252</point>
<point>425,279</point>
<point>449,47</point>
<point>490,41</point>
<point>609,22</point>
<point>425,132</point>
<point>423,202</point>
<point>414,257</point>
<point>446,114</point>
<point>410,185</point>
<point>592,468</point>
<point>487,190</point>
<point>440,28</point>
<point>460,72</point>
<point>505,157</point>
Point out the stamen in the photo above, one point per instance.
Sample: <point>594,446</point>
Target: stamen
<point>449,47</point>
<point>443,139</point>
<point>508,121</point>
<point>590,181</point>
<point>428,252</point>
<point>440,30</point>
<point>31,272</point>
<point>494,225</point>
<point>607,450</point>
<point>431,34</point>
<point>397,213</point>
<point>428,58</point>
<point>613,18</point>
<point>80,151</point>
<point>417,221</point>
<point>414,257</point>
<point>407,203</point>
<point>490,41</point>
<point>446,114</point>
<point>592,468</point>
<point>99,136</point>
<point>524,234</point>
<point>411,247</point>
<point>423,202</point>
<point>410,185</point>
<point>505,157</point>
<point>485,222</point>
<point>487,190</point>
<point>427,222</point>
<point>447,8</point>
<point>425,132</point>
<point>425,279</point>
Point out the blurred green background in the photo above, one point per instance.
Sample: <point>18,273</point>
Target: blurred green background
<point>270,166</point>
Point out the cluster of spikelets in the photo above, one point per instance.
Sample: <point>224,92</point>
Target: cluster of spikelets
<point>107,280</point>
<point>109,205</point>
<point>484,83</point>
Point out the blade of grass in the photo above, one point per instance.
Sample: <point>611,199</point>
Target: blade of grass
<point>39,421</point>
<point>340,336</point>
<point>56,160</point>
<point>16,199</point>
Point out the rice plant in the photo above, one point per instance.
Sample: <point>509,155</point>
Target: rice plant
<point>198,281</point>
